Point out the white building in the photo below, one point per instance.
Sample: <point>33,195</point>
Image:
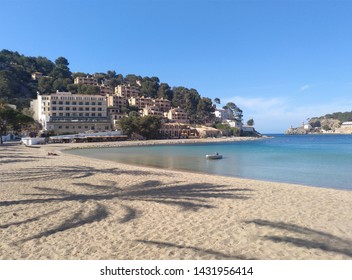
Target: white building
<point>67,112</point>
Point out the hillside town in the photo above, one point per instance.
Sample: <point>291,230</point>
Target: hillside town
<point>62,113</point>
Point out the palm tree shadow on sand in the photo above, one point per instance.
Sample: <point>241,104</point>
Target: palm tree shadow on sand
<point>306,237</point>
<point>181,195</point>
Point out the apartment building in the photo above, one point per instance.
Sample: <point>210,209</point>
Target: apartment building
<point>175,130</point>
<point>106,90</point>
<point>67,112</point>
<point>177,115</point>
<point>140,102</point>
<point>127,91</point>
<point>86,81</point>
<point>163,104</point>
<point>152,111</point>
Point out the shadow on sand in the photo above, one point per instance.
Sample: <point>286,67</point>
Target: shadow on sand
<point>306,237</point>
<point>183,196</point>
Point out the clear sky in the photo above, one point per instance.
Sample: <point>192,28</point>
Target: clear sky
<point>280,61</point>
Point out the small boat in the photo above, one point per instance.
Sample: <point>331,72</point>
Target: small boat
<point>31,146</point>
<point>214,156</point>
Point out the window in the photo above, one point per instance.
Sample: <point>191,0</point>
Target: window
<point>54,108</point>
<point>74,103</point>
<point>87,109</point>
<point>53,102</point>
<point>67,114</point>
<point>80,103</point>
<point>74,109</point>
<point>60,108</point>
<point>67,108</point>
<point>61,103</point>
<point>67,103</point>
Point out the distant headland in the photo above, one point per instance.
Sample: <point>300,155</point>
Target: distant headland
<point>339,123</point>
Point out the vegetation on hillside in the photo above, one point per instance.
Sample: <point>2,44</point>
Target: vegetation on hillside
<point>17,87</point>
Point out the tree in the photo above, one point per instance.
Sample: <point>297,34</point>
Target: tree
<point>61,70</point>
<point>217,100</point>
<point>250,122</point>
<point>61,61</point>
<point>12,119</point>
<point>164,91</point>
<point>45,85</point>
<point>149,87</point>
<point>147,126</point>
<point>237,112</point>
<point>205,110</point>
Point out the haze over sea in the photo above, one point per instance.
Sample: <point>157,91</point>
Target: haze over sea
<point>315,160</point>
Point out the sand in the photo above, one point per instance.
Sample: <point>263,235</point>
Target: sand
<point>70,207</point>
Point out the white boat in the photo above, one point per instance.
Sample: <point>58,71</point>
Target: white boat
<point>214,156</point>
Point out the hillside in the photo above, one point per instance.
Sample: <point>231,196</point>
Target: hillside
<point>327,123</point>
<point>17,86</point>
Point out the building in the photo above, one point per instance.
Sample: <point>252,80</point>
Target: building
<point>163,104</point>
<point>64,112</point>
<point>127,91</point>
<point>205,132</point>
<point>345,128</point>
<point>140,102</point>
<point>105,90</point>
<point>116,102</point>
<point>223,114</point>
<point>37,75</point>
<point>177,115</point>
<point>175,130</point>
<point>86,81</point>
<point>152,111</point>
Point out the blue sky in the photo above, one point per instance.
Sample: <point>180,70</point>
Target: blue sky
<point>280,61</point>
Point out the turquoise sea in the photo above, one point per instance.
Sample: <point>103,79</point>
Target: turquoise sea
<point>316,160</point>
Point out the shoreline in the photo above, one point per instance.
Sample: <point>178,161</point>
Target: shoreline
<point>136,143</point>
<point>72,207</point>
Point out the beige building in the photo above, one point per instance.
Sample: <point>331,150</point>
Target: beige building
<point>71,112</point>
<point>65,126</point>
<point>152,111</point>
<point>140,102</point>
<point>127,91</point>
<point>105,90</point>
<point>163,104</point>
<point>117,102</point>
<point>175,130</point>
<point>177,115</point>
<point>37,75</point>
<point>86,81</point>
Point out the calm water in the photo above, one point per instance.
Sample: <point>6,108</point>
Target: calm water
<point>316,160</point>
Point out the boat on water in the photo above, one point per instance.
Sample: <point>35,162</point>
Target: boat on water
<point>214,156</point>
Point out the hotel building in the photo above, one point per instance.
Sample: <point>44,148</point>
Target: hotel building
<point>63,112</point>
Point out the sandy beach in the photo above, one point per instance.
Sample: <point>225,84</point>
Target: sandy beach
<point>69,207</point>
